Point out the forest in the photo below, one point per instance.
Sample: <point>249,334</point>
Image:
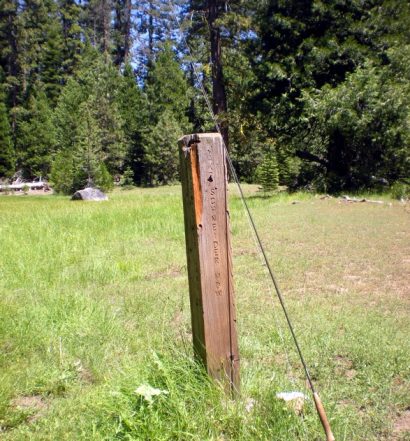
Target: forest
<point>307,93</point>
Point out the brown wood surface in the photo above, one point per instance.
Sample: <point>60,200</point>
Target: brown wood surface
<point>323,418</point>
<point>204,187</point>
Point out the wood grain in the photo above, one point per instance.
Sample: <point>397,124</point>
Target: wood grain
<point>207,232</point>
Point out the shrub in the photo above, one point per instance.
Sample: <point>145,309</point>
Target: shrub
<point>400,190</point>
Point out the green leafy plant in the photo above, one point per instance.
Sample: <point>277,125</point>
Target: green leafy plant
<point>400,190</point>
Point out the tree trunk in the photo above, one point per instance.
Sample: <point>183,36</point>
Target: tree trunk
<point>123,30</point>
<point>127,29</point>
<point>215,10</point>
<point>105,12</point>
<point>151,31</point>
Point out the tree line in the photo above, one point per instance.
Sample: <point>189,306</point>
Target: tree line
<point>307,93</point>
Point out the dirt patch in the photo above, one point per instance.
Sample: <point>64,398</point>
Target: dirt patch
<point>346,403</point>
<point>84,374</point>
<point>350,374</point>
<point>35,405</point>
<point>178,318</point>
<point>401,427</point>
<point>174,271</point>
<point>344,366</point>
<point>343,362</point>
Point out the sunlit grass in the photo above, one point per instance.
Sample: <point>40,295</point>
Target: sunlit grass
<point>94,303</point>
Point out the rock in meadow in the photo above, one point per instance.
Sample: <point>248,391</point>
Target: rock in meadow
<point>89,194</point>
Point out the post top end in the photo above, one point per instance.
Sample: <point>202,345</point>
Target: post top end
<point>197,137</point>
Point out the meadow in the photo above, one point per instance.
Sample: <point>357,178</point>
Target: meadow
<point>94,308</point>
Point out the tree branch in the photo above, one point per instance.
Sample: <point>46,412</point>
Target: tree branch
<point>302,154</point>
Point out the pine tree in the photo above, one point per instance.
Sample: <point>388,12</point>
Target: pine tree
<point>63,172</point>
<point>122,31</point>
<point>97,22</point>
<point>40,47</point>
<point>97,82</point>
<point>156,22</point>
<point>9,33</point>
<point>289,167</point>
<point>89,156</point>
<point>110,124</point>
<point>52,62</point>
<point>83,165</point>
<point>167,88</point>
<point>215,10</point>
<point>72,34</point>
<point>127,179</point>
<point>161,154</point>
<point>93,98</point>
<point>66,114</point>
<point>168,101</point>
<point>268,173</point>
<point>7,154</point>
<point>133,107</point>
<point>284,70</point>
<point>36,141</point>
<point>304,47</point>
<point>88,147</point>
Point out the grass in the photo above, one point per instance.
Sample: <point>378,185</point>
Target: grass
<point>94,303</point>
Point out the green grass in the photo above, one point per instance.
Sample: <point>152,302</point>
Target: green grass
<point>94,303</point>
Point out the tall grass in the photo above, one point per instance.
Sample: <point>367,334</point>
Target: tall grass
<point>94,303</point>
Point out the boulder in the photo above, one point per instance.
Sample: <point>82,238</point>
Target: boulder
<point>89,194</point>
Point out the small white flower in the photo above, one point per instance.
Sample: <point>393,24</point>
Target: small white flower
<point>148,392</point>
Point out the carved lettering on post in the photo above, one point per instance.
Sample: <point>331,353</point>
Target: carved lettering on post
<point>207,233</point>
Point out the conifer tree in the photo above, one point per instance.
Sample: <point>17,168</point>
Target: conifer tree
<point>110,124</point>
<point>9,55</point>
<point>133,107</point>
<point>7,154</point>
<point>97,22</point>
<point>168,101</point>
<point>127,179</point>
<point>97,82</point>
<point>161,156</point>
<point>40,47</point>
<point>52,62</point>
<point>268,173</point>
<point>156,22</point>
<point>63,172</point>
<point>289,167</point>
<point>72,34</point>
<point>167,88</point>
<point>83,165</point>
<point>66,114</point>
<point>122,31</point>
<point>88,147</point>
<point>102,86</point>
<point>36,140</point>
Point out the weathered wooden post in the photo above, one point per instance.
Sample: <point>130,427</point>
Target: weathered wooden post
<point>207,235</point>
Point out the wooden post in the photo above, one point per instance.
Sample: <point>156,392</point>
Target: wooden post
<point>207,235</point>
